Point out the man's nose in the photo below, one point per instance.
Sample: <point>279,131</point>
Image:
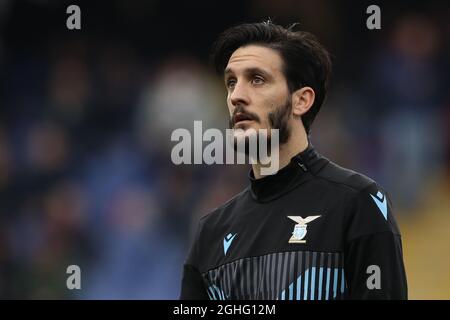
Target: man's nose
<point>239,95</point>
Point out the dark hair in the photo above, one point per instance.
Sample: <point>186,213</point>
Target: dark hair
<point>306,61</point>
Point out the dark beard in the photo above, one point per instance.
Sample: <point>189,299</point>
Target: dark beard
<point>278,119</point>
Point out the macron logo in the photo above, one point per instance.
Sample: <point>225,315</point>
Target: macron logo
<point>381,202</point>
<point>227,242</point>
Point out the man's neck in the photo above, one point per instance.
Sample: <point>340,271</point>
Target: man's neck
<point>286,152</point>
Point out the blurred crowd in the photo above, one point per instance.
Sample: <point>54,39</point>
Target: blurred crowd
<point>85,124</point>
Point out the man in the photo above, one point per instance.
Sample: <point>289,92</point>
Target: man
<point>313,230</point>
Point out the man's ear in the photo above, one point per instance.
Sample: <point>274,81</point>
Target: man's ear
<point>302,100</point>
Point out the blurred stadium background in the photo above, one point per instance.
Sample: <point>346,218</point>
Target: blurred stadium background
<point>86,118</point>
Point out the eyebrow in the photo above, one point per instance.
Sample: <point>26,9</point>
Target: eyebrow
<point>251,70</point>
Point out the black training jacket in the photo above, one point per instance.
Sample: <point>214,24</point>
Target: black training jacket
<point>312,231</point>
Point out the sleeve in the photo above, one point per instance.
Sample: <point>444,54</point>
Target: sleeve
<point>374,266</point>
<point>192,284</point>
<point>192,287</point>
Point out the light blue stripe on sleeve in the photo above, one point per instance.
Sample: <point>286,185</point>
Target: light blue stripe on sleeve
<point>222,294</point>
<point>335,282</point>
<point>320,283</point>
<point>299,287</point>
<point>305,291</point>
<point>291,291</point>
<point>213,296</point>
<point>327,296</point>
<point>313,281</point>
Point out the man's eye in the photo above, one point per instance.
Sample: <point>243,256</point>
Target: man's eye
<point>258,80</point>
<point>230,83</point>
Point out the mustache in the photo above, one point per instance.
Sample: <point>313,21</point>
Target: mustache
<point>249,115</point>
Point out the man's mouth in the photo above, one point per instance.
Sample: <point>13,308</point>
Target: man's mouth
<point>241,117</point>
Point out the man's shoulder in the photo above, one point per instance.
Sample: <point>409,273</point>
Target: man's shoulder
<point>370,209</point>
<point>345,178</point>
<point>226,206</point>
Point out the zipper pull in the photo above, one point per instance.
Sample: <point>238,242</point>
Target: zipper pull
<point>302,166</point>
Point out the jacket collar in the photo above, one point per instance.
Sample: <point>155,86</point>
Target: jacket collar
<point>298,171</point>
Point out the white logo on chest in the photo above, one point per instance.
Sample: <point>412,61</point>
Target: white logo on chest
<point>300,228</point>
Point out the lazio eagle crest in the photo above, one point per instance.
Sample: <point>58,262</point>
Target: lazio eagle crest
<point>300,228</point>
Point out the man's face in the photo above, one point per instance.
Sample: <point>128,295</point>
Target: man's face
<point>258,95</point>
